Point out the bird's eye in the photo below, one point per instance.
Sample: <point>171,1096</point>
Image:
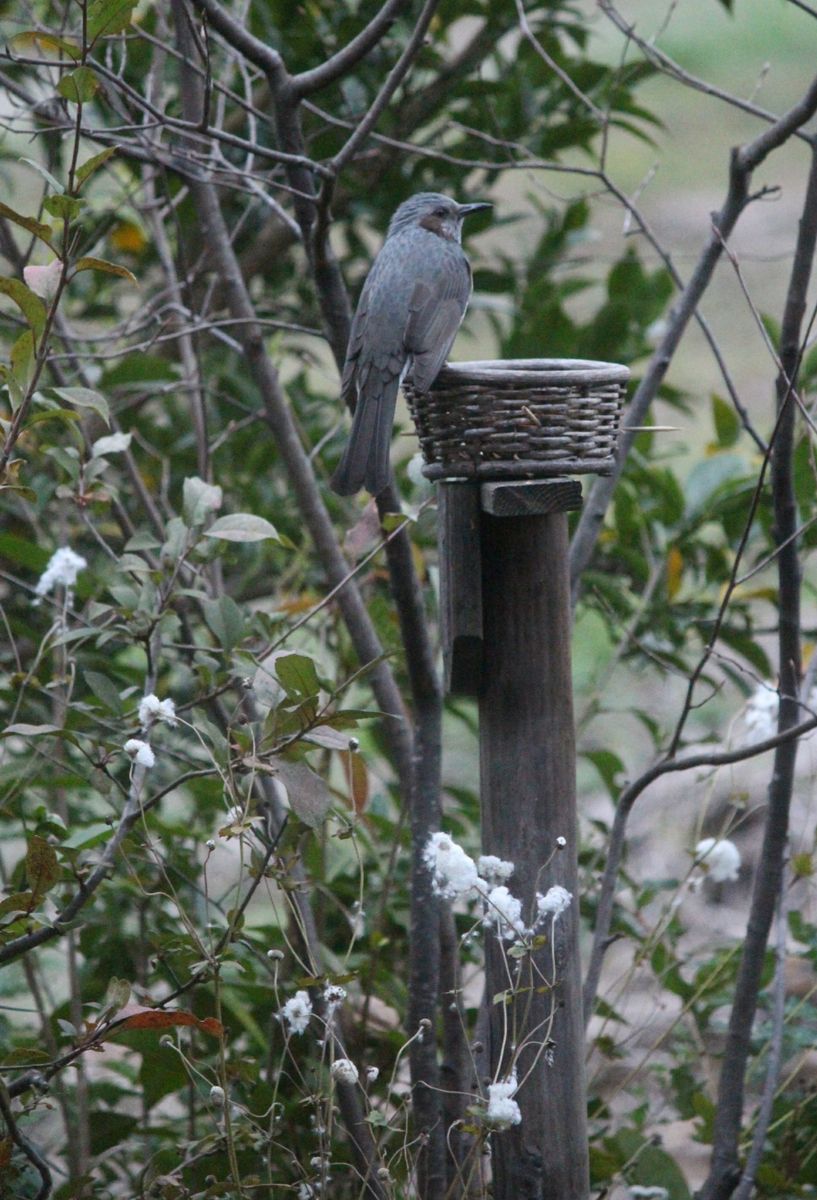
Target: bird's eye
<point>440,212</point>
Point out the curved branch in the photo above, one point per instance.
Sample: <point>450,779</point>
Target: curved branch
<point>25,1147</point>
<point>775,1058</point>
<point>294,457</point>
<point>390,86</point>
<point>724,1174</point>
<point>670,67</point>
<point>57,927</point>
<point>615,848</point>
<point>344,60</point>
<point>744,161</point>
<point>239,37</point>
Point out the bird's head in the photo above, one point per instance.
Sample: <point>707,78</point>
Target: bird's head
<point>438,214</point>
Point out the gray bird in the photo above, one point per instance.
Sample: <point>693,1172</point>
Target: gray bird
<point>408,315</point>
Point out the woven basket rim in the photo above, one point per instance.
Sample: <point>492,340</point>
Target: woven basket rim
<point>511,372</point>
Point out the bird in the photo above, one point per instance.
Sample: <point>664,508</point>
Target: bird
<point>409,311</point>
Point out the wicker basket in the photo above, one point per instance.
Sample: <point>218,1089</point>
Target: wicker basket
<point>519,418</point>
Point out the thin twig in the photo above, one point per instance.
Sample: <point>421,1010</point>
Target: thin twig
<point>25,1147</point>
<point>724,1173</point>
<point>624,806</point>
<point>775,1056</point>
<point>744,161</point>
<point>347,58</point>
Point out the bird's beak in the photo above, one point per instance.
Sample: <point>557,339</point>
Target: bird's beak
<point>465,209</point>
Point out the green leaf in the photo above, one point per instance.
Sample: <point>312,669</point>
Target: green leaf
<point>30,305</point>
<point>298,675</point>
<point>108,1129</point>
<point>199,500</point>
<point>23,1055</point>
<point>44,232</point>
<point>107,268</point>
<point>225,619</point>
<point>772,327</point>
<point>309,797</point>
<point>242,527</point>
<point>329,738</point>
<point>35,41</point>
<point>160,1073</point>
<point>609,767</point>
<point>808,368</point>
<point>603,1165</point>
<point>709,476</point>
<point>18,902</point>
<point>108,16</point>
<point>726,421</point>
<point>141,540</point>
<point>82,397</point>
<point>53,183</point>
<point>653,1167</point>
<point>21,357</point>
<point>92,164</point>
<point>267,690</point>
<point>136,370</point>
<point>79,86</point>
<point>66,208</point>
<point>176,540</point>
<point>23,730</point>
<point>42,867</point>
<point>104,690</point>
<point>24,553</point>
<point>88,836</point>
<point>114,443</point>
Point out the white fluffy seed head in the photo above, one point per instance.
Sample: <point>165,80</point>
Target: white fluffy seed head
<point>720,857</point>
<point>140,752</point>
<point>297,1011</point>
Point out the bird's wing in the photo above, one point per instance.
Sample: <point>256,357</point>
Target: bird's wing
<point>356,338</point>
<point>436,310</point>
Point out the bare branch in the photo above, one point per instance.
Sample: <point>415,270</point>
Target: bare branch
<point>724,1171</point>
<point>670,67</point>
<point>294,457</point>
<point>25,1147</point>
<point>345,60</point>
<point>390,86</point>
<point>239,37</point>
<point>546,58</point>
<point>624,806</point>
<point>744,160</point>
<point>775,1058</point>
<point>805,7</point>
<point>703,324</point>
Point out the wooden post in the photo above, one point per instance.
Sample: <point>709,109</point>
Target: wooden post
<point>458,524</point>
<point>528,789</point>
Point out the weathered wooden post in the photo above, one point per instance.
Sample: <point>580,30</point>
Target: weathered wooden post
<point>501,437</point>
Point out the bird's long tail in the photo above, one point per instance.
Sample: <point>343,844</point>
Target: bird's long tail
<point>365,461</point>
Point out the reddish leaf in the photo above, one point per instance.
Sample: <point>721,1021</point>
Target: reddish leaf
<point>138,1016</point>
<point>212,1026</point>
<point>357,778</point>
